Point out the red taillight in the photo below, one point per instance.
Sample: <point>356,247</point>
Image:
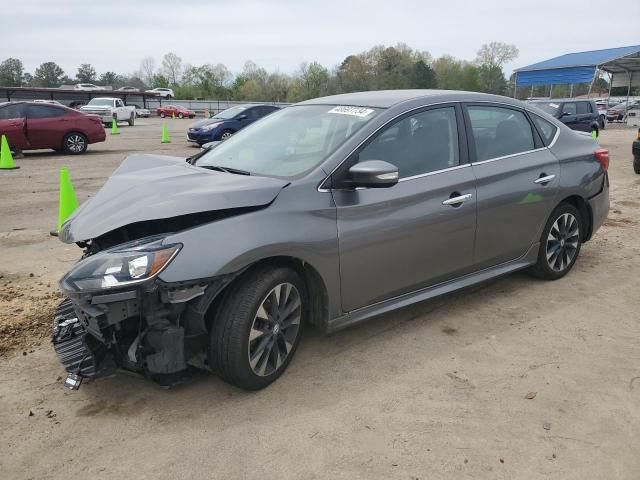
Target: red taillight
<point>602,155</point>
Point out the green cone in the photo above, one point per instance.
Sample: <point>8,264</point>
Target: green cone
<point>68,201</point>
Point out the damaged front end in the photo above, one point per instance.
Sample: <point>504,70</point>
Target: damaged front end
<point>119,315</point>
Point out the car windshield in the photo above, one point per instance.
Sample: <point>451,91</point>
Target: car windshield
<point>102,102</point>
<point>549,107</point>
<point>290,141</point>
<point>230,112</point>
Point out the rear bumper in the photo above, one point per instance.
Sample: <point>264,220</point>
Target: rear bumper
<point>599,206</point>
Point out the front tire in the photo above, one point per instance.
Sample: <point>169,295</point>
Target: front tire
<point>75,143</point>
<point>162,115</point>
<point>180,115</point>
<point>560,243</point>
<point>225,135</point>
<point>257,327</point>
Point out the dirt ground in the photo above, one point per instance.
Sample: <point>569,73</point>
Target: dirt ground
<point>513,379</point>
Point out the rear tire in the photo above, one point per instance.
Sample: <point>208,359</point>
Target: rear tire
<point>256,328</point>
<point>226,134</point>
<point>636,165</point>
<point>560,243</point>
<point>180,115</point>
<point>75,143</point>
<point>132,120</point>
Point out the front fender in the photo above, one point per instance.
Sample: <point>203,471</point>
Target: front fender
<point>300,223</point>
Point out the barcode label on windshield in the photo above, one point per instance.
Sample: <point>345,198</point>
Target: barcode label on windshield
<point>356,111</point>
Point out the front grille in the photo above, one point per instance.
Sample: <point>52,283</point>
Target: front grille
<point>97,112</point>
<point>72,344</point>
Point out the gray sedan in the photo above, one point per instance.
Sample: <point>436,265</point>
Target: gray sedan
<point>326,213</point>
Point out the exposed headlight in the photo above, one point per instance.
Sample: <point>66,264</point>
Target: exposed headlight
<point>127,264</point>
<point>211,126</point>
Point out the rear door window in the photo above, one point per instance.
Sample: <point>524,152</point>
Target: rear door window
<point>583,108</point>
<point>546,129</point>
<point>499,131</point>
<point>44,111</point>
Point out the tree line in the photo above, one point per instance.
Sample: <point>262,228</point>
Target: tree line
<point>381,67</point>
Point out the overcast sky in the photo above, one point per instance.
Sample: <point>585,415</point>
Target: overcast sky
<point>279,34</point>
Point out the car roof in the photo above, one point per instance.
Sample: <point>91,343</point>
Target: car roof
<point>38,104</point>
<point>564,100</point>
<point>389,98</point>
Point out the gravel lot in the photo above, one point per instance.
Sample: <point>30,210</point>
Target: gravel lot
<point>516,378</point>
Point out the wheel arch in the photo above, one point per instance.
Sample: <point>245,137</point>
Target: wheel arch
<point>586,215</point>
<point>318,307</point>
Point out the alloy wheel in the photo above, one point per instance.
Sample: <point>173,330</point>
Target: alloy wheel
<point>75,143</point>
<point>274,329</point>
<point>562,242</point>
<point>225,135</point>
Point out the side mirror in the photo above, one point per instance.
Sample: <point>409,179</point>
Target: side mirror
<point>374,174</point>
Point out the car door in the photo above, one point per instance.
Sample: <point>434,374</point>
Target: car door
<point>247,117</point>
<point>46,126</point>
<point>119,110</point>
<point>517,181</point>
<point>403,238</point>
<point>13,125</point>
<point>569,115</point>
<point>584,116</point>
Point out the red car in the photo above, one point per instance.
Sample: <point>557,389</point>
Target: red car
<point>176,110</point>
<point>32,126</point>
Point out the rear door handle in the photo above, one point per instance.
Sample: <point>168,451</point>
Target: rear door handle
<point>458,200</point>
<point>544,179</point>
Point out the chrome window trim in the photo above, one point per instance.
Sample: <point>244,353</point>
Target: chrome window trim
<point>508,156</point>
<point>555,137</point>
<point>435,172</point>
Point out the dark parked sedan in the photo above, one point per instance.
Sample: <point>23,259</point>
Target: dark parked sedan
<point>326,213</point>
<point>227,122</point>
<point>34,125</point>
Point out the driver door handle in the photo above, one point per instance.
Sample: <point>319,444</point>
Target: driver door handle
<point>543,180</point>
<point>459,200</point>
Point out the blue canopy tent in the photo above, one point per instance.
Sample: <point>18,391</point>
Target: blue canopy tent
<point>622,64</point>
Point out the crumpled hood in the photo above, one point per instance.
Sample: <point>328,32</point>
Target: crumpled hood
<point>150,187</point>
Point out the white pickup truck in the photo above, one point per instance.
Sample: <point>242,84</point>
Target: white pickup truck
<point>110,109</point>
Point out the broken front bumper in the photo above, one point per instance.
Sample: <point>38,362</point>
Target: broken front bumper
<point>154,329</point>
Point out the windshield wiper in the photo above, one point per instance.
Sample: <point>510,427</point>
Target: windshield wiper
<point>218,168</point>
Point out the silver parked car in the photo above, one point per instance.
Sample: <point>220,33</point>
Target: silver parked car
<point>325,213</point>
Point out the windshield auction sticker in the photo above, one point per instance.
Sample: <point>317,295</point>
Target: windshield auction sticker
<point>355,111</point>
